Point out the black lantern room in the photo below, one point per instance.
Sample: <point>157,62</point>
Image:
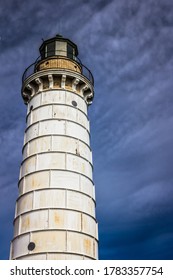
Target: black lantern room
<point>58,46</point>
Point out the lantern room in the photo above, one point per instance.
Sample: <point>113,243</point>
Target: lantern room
<point>58,46</point>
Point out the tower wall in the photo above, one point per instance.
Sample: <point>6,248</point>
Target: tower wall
<point>55,210</point>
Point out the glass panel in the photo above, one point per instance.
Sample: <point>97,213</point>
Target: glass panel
<point>50,49</point>
<point>42,53</point>
<point>69,51</point>
<point>61,48</point>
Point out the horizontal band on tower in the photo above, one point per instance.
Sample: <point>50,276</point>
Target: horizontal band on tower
<point>53,169</point>
<point>57,119</point>
<point>55,241</point>
<point>58,104</point>
<point>56,160</point>
<point>55,219</point>
<point>59,230</point>
<point>60,208</point>
<point>65,91</point>
<point>58,152</point>
<point>59,188</point>
<point>55,198</point>
<point>56,112</point>
<point>57,253</point>
<point>58,135</point>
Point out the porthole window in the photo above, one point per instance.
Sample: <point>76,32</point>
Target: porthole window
<point>74,103</point>
<point>31,246</point>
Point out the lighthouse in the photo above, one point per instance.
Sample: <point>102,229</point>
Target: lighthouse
<point>55,209</point>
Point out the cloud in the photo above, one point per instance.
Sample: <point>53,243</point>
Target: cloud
<point>128,47</point>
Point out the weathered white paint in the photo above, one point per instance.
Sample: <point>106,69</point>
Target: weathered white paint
<point>56,204</point>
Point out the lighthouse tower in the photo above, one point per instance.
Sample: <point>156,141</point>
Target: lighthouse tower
<point>55,210</point>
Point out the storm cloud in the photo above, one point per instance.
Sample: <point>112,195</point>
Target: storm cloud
<point>128,45</point>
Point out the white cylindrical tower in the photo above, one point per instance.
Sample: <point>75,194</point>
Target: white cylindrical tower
<point>55,210</point>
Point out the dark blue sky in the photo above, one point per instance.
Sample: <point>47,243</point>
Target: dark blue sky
<point>128,45</point>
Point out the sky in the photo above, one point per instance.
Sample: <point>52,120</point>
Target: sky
<point>128,46</point>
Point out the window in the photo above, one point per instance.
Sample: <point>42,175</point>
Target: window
<point>50,49</point>
<point>42,53</point>
<point>70,51</point>
<point>61,48</point>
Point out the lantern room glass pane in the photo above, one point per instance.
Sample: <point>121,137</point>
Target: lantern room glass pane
<point>70,51</point>
<point>61,48</point>
<point>50,49</point>
<point>42,52</point>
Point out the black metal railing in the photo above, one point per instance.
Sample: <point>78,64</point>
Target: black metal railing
<point>33,67</point>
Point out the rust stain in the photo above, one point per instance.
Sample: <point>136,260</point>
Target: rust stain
<point>26,224</point>
<point>24,203</point>
<point>57,219</point>
<point>34,183</point>
<point>87,246</point>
